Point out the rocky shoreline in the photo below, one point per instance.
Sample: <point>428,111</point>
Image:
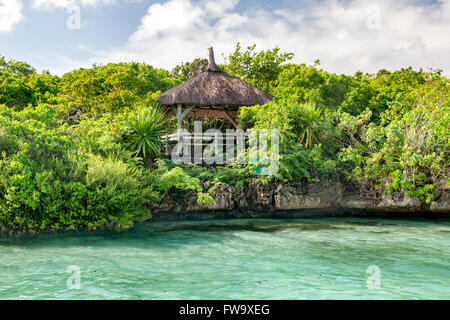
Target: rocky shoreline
<point>282,201</point>
<point>289,200</point>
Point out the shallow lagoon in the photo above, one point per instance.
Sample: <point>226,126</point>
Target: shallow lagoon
<point>320,258</point>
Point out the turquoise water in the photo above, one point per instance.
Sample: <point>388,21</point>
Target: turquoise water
<point>325,258</point>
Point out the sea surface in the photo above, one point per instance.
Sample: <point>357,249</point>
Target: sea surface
<point>314,258</point>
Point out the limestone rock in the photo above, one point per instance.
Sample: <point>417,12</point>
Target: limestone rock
<point>314,196</point>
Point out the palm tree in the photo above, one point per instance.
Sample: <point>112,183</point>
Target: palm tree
<point>145,131</point>
<point>310,118</point>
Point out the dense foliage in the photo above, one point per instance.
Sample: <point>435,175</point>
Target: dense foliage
<point>49,183</point>
<point>81,150</point>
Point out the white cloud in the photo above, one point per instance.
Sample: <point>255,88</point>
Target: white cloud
<point>50,4</point>
<point>346,37</point>
<point>10,14</point>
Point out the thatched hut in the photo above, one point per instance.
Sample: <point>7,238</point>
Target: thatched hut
<point>212,93</point>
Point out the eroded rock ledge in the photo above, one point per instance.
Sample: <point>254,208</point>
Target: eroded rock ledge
<point>259,200</point>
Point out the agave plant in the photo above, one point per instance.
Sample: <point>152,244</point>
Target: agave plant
<point>145,131</point>
<point>310,123</point>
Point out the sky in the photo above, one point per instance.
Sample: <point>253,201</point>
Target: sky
<point>346,36</point>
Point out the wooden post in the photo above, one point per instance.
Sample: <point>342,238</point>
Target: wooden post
<point>180,115</point>
<point>227,115</point>
<point>178,112</point>
<point>167,145</point>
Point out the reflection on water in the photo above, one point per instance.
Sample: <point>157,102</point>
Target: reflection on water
<point>322,258</point>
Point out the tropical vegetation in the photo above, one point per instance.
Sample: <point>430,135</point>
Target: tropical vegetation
<point>83,150</point>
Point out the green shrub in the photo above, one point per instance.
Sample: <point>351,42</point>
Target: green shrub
<point>48,182</point>
<point>116,193</point>
<point>166,179</point>
<point>409,150</point>
<point>302,127</point>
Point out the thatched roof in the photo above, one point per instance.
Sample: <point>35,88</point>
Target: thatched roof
<point>213,87</point>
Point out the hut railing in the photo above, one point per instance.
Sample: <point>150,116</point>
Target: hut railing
<point>205,140</point>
